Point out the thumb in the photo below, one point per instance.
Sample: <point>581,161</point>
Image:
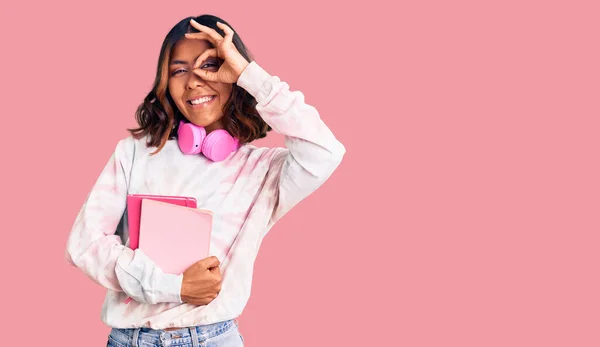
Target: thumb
<point>215,270</point>
<point>209,262</point>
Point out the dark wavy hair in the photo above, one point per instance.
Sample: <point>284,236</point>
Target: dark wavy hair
<point>158,117</point>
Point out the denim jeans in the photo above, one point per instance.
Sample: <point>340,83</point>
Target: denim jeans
<point>223,334</point>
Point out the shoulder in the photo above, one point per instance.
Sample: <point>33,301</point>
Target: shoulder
<point>130,147</point>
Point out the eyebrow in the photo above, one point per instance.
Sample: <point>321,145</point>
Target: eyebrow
<point>183,62</point>
<point>178,62</point>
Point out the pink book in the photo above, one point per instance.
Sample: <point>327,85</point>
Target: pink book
<point>134,211</point>
<point>173,236</point>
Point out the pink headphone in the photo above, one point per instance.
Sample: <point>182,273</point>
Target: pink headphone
<point>216,146</point>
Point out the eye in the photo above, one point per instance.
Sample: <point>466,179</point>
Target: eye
<point>210,64</point>
<point>177,71</point>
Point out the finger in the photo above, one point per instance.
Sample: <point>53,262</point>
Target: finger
<point>210,31</point>
<point>209,262</point>
<point>228,32</point>
<point>211,52</point>
<point>201,36</point>
<point>206,75</point>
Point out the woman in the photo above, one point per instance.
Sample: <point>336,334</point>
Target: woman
<point>206,79</point>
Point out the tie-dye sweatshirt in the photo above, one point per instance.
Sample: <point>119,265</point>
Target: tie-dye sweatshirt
<point>247,193</point>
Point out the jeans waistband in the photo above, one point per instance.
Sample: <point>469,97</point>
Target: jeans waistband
<point>133,336</point>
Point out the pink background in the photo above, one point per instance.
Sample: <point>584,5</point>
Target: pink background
<point>464,214</point>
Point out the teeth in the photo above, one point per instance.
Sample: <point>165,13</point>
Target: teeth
<point>201,100</point>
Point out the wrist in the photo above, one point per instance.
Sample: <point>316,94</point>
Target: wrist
<point>184,288</point>
<point>242,67</point>
<point>254,80</point>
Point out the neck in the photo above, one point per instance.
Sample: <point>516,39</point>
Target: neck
<point>216,125</point>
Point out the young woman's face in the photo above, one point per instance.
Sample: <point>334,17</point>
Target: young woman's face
<point>201,102</point>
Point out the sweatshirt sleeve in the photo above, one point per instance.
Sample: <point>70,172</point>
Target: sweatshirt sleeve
<point>312,152</point>
<point>95,249</point>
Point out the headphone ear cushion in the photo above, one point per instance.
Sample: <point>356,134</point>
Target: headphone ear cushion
<point>218,145</point>
<point>190,138</point>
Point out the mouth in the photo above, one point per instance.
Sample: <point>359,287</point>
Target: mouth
<point>202,101</point>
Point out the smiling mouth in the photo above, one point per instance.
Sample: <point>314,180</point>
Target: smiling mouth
<point>201,101</point>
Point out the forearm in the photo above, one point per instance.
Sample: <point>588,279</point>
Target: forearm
<point>313,152</point>
<point>99,253</point>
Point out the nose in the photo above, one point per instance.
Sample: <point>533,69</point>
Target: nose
<point>194,81</point>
